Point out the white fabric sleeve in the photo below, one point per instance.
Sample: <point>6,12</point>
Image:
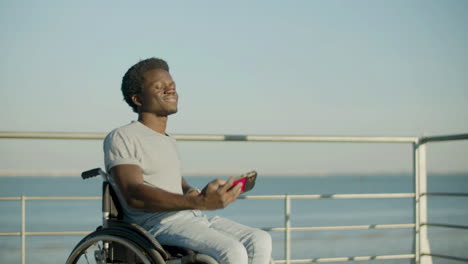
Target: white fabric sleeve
<point>120,149</point>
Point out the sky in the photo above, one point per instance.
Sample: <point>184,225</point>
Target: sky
<point>321,68</point>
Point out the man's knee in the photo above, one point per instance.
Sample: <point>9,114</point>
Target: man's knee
<point>260,246</point>
<point>261,238</point>
<point>236,253</point>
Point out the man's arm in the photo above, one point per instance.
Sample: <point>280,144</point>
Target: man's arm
<point>139,195</point>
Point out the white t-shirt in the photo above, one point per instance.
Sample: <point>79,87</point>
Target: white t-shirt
<point>155,154</point>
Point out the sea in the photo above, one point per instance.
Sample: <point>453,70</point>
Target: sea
<point>86,215</point>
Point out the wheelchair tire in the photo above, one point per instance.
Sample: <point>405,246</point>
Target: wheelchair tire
<point>104,246</point>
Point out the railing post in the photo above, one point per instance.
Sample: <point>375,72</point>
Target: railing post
<point>422,247</point>
<point>287,230</point>
<point>23,229</point>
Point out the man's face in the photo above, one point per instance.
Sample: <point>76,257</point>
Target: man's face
<point>158,94</point>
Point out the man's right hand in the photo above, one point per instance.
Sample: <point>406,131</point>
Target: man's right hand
<point>219,194</point>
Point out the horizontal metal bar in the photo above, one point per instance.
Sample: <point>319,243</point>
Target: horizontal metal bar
<point>63,198</point>
<point>445,225</point>
<point>445,257</point>
<point>331,196</point>
<point>273,229</point>
<point>53,198</point>
<point>59,233</point>
<point>47,233</point>
<point>446,194</point>
<point>345,259</point>
<point>247,197</point>
<point>50,135</point>
<point>10,198</point>
<point>443,138</point>
<point>200,137</point>
<point>333,139</point>
<point>187,137</point>
<point>354,227</point>
<point>10,233</point>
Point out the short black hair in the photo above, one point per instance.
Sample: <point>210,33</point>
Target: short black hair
<point>132,81</point>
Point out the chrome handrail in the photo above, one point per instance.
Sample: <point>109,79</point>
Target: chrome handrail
<point>211,137</point>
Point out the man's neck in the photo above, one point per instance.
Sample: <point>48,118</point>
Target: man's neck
<point>156,123</point>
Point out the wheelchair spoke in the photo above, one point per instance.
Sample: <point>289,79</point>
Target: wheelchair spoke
<point>86,256</point>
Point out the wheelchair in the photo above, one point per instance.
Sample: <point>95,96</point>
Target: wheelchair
<point>116,241</point>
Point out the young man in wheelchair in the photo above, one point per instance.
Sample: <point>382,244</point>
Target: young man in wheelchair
<point>145,171</point>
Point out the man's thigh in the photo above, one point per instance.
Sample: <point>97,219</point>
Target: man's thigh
<point>231,228</point>
<point>197,234</point>
<point>255,240</point>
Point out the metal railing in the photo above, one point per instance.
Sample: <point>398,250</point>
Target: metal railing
<point>422,253</point>
<point>423,245</point>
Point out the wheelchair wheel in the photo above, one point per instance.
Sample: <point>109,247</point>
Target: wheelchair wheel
<point>103,247</point>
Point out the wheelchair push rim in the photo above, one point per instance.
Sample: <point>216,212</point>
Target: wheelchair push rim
<point>98,249</point>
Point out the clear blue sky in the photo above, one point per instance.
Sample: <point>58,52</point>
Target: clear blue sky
<point>363,68</point>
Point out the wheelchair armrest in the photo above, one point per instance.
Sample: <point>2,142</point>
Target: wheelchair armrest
<point>90,173</point>
<point>94,172</point>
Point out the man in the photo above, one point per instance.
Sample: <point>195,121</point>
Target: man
<point>145,170</point>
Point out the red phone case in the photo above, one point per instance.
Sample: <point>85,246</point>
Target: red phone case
<point>247,180</point>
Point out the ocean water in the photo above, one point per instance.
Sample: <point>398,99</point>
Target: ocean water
<point>85,215</point>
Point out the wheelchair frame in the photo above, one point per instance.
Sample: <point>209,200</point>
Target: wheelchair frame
<point>116,241</point>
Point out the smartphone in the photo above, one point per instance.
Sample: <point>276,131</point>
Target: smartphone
<point>247,180</point>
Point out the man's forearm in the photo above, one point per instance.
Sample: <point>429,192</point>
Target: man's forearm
<point>216,195</point>
<point>153,199</point>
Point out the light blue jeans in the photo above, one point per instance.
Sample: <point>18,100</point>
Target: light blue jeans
<point>226,241</point>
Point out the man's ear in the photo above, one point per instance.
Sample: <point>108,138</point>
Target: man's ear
<point>136,99</point>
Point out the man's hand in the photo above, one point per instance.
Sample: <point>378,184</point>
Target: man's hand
<point>218,194</point>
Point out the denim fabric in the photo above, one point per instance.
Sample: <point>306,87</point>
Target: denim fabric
<point>225,240</point>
